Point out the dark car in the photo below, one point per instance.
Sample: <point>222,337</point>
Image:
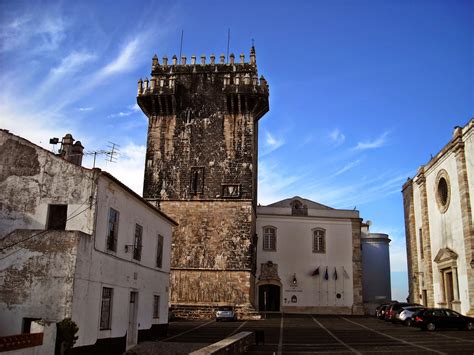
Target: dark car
<point>434,318</point>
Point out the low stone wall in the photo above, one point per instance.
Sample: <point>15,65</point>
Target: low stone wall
<point>235,344</point>
<point>321,310</point>
<point>203,311</point>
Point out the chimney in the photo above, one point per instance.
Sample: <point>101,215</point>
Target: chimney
<point>71,152</point>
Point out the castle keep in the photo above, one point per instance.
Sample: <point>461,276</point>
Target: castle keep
<point>201,170</point>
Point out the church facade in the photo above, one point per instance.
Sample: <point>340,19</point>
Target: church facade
<point>201,170</point>
<point>438,204</point>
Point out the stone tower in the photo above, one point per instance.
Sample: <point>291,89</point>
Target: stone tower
<point>201,169</point>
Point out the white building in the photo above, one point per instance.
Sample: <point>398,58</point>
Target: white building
<point>439,207</point>
<point>77,243</point>
<point>308,258</point>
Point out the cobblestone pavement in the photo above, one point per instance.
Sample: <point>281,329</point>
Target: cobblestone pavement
<point>310,334</point>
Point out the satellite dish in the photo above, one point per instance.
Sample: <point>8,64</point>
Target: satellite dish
<point>369,223</point>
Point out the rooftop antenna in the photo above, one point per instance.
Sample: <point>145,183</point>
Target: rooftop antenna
<point>228,43</point>
<point>110,155</point>
<point>181,44</point>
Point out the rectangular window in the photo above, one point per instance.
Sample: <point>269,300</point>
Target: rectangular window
<point>269,238</point>
<point>197,180</point>
<point>159,252</point>
<point>420,233</point>
<point>112,232</point>
<point>319,242</point>
<point>106,308</point>
<point>137,243</point>
<point>156,306</point>
<point>57,217</point>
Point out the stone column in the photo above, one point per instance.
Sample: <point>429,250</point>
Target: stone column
<point>427,260</point>
<point>357,307</point>
<point>466,212</point>
<point>410,236</point>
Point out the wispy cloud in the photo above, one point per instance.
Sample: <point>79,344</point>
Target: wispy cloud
<point>125,61</point>
<point>346,167</point>
<point>131,109</point>
<point>337,137</point>
<point>37,33</point>
<point>271,143</point>
<point>274,183</point>
<point>85,109</point>
<point>372,144</point>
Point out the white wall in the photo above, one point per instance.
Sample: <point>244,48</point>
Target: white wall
<point>294,256</point>
<point>98,268</point>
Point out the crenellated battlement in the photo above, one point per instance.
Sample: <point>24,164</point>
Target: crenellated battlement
<point>235,77</point>
<point>233,87</point>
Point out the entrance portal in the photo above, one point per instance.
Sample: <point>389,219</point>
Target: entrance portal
<point>269,298</point>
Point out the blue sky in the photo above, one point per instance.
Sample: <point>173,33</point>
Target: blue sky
<point>362,92</point>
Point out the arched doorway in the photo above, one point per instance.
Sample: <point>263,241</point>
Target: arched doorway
<point>269,298</point>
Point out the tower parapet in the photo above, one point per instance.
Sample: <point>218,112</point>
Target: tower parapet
<point>243,90</point>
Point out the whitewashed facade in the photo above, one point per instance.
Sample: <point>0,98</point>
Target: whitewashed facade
<point>308,258</point>
<point>439,206</point>
<point>62,257</point>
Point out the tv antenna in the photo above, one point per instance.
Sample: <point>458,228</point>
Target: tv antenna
<point>111,155</point>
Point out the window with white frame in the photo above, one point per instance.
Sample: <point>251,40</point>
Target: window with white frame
<point>319,240</point>
<point>112,230</point>
<point>159,252</point>
<point>106,308</point>
<point>156,306</point>
<point>269,238</point>
<point>137,242</point>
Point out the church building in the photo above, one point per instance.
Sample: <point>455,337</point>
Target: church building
<point>438,204</point>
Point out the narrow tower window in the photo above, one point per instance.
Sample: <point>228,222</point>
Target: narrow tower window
<point>197,180</point>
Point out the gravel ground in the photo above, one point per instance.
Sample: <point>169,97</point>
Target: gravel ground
<point>164,348</point>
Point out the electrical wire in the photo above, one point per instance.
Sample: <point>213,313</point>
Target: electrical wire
<point>37,234</point>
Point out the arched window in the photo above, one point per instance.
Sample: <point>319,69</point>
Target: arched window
<point>269,238</point>
<point>319,240</point>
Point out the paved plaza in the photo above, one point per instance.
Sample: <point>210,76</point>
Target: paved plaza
<point>309,334</point>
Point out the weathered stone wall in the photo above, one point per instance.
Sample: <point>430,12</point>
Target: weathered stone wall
<point>36,276</point>
<point>31,178</point>
<point>211,234</point>
<point>201,287</point>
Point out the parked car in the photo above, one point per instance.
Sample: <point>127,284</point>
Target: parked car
<point>434,318</point>
<point>405,316</point>
<point>380,310</point>
<point>225,313</point>
<point>393,309</point>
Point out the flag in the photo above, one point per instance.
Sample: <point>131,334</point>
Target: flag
<point>335,274</point>
<point>346,275</point>
<point>315,272</point>
<point>326,275</point>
